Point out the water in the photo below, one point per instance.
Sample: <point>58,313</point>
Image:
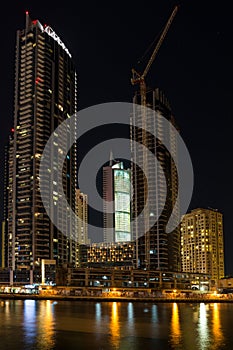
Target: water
<point>47,325</point>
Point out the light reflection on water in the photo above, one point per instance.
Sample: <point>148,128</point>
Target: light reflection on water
<point>154,316</point>
<point>217,327</point>
<point>114,325</point>
<point>39,325</point>
<point>30,326</point>
<point>203,328</point>
<point>130,314</point>
<point>175,326</point>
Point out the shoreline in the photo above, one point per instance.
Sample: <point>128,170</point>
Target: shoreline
<point>114,298</point>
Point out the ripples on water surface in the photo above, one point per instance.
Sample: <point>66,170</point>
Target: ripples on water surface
<point>47,325</point>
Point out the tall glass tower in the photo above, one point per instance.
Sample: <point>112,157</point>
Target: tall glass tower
<point>116,209</point>
<point>45,95</point>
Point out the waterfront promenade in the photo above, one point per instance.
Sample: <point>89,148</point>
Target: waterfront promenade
<point>166,298</point>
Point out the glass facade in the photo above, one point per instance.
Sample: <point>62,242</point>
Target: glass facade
<point>122,205</point>
<point>116,205</point>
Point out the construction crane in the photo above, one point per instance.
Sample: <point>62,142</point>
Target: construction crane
<point>138,78</point>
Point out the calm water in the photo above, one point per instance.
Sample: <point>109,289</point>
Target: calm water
<point>40,325</point>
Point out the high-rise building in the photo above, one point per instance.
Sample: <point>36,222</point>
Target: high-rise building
<point>202,247</point>
<point>45,95</point>
<point>155,248</point>
<point>116,208</point>
<point>82,214</point>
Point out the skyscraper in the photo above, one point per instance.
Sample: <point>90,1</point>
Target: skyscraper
<point>45,95</point>
<point>202,248</point>
<point>116,195</point>
<point>155,248</point>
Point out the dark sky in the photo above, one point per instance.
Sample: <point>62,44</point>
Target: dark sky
<point>193,67</point>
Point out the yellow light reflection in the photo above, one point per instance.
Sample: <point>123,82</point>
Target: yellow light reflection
<point>217,330</point>
<point>203,326</point>
<point>175,326</point>
<point>114,325</point>
<point>46,325</point>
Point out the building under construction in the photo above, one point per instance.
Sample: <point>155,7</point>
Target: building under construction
<point>154,179</point>
<point>155,249</point>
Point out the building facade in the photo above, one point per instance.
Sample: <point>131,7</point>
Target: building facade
<point>4,238</point>
<point>117,255</point>
<point>116,207</point>
<point>202,247</point>
<point>82,214</point>
<point>45,95</point>
<point>128,279</point>
<point>156,249</point>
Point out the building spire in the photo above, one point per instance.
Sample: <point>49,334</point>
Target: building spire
<point>28,21</point>
<point>111,158</point>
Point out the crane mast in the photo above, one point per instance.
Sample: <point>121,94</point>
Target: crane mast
<point>138,78</point>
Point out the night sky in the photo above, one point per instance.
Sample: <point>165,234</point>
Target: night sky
<point>193,68</point>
